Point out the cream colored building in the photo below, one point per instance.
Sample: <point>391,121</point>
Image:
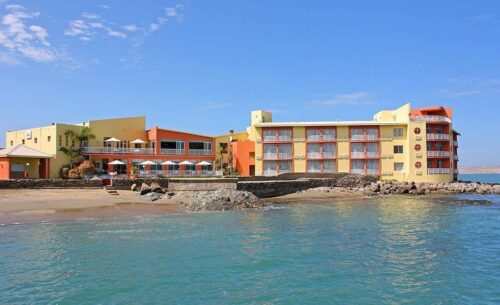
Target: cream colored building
<point>49,139</point>
<point>403,144</point>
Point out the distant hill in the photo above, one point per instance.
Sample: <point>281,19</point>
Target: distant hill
<point>483,169</point>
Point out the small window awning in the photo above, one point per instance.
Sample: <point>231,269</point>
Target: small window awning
<point>22,151</point>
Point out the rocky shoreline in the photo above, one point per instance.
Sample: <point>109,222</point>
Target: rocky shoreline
<point>230,199</point>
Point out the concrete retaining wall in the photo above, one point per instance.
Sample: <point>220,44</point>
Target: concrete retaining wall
<point>121,184</point>
<point>201,184</point>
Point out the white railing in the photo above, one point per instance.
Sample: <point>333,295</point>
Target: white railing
<point>277,139</point>
<point>455,144</point>
<point>430,118</point>
<point>284,155</point>
<point>314,170</point>
<point>118,150</point>
<point>356,137</point>
<point>357,171</point>
<point>437,153</point>
<point>313,155</point>
<point>270,156</point>
<point>364,138</point>
<point>438,136</point>
<point>455,157</point>
<point>370,137</point>
<point>455,171</point>
<point>176,173</point>
<point>329,155</point>
<point>438,171</point>
<point>200,152</point>
<point>314,138</point>
<point>357,154</point>
<point>372,154</point>
<point>171,151</point>
<point>328,138</point>
<point>371,171</point>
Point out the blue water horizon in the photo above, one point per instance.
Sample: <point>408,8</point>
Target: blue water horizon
<point>388,250</point>
<point>483,178</point>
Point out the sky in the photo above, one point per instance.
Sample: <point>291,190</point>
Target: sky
<point>202,66</point>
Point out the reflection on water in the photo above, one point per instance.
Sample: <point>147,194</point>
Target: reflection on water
<point>388,250</point>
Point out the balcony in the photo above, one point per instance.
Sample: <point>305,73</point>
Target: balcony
<point>372,171</point>
<point>455,171</point>
<point>439,171</point>
<point>273,172</point>
<point>172,151</point>
<point>118,150</point>
<point>357,171</point>
<point>177,173</point>
<point>268,139</point>
<point>358,138</point>
<point>318,155</point>
<point>361,155</point>
<point>200,152</point>
<point>430,118</point>
<point>438,137</point>
<point>270,156</point>
<point>317,138</point>
<point>455,144</point>
<point>438,154</point>
<point>455,157</point>
<point>284,156</point>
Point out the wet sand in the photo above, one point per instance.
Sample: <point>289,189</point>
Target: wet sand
<point>36,205</point>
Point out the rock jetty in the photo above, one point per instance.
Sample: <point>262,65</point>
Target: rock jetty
<point>394,187</point>
<point>219,200</point>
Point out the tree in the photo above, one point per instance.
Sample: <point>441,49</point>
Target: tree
<point>83,136</point>
<point>76,137</point>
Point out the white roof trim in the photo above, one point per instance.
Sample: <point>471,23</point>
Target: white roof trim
<point>330,123</point>
<point>22,151</point>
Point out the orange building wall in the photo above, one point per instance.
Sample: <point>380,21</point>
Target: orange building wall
<point>242,161</point>
<point>4,168</point>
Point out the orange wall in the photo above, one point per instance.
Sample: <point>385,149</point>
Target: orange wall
<point>241,156</point>
<point>4,168</point>
<point>157,134</point>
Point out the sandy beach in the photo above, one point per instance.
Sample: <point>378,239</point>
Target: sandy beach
<point>31,205</point>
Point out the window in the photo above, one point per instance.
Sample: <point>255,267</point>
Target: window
<point>48,139</point>
<point>397,132</point>
<point>418,164</point>
<point>399,167</point>
<point>312,135</point>
<point>60,141</point>
<point>11,143</point>
<point>418,147</point>
<point>66,141</point>
<point>23,141</point>
<point>36,140</point>
<point>356,134</point>
<point>398,149</point>
<point>417,130</point>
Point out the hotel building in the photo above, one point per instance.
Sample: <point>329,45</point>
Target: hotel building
<point>403,144</point>
<point>123,139</point>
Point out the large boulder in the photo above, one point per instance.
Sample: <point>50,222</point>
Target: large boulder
<point>145,188</point>
<point>74,173</point>
<point>219,200</point>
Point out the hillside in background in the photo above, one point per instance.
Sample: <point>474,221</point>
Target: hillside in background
<point>484,169</point>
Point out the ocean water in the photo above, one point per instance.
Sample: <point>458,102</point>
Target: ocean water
<point>392,250</point>
<point>484,178</point>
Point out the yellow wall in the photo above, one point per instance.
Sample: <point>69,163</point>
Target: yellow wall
<point>125,129</point>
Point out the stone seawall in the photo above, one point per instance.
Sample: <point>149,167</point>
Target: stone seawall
<point>266,189</point>
<point>120,184</point>
<point>175,185</point>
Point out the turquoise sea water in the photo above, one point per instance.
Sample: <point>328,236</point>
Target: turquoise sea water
<point>393,250</point>
<point>484,178</point>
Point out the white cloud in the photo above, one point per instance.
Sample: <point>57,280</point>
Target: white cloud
<point>114,33</point>
<point>9,59</point>
<point>131,27</point>
<point>90,15</point>
<point>103,6</point>
<point>354,98</point>
<point>466,86</point>
<point>22,39</point>
<point>156,25</point>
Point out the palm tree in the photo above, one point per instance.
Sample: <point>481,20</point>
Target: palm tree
<point>82,136</point>
<point>71,153</point>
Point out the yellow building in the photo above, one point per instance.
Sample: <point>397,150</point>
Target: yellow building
<point>407,145</point>
<point>49,139</point>
<point>223,153</point>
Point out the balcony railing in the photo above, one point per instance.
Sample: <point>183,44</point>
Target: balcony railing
<point>318,155</point>
<point>372,171</point>
<point>175,173</point>
<point>357,171</point>
<point>455,144</point>
<point>364,138</point>
<point>367,154</point>
<point>455,171</point>
<point>455,157</point>
<point>430,118</point>
<point>277,139</point>
<point>438,171</point>
<point>200,152</point>
<point>284,155</point>
<point>118,150</point>
<point>273,172</point>
<point>438,136</point>
<point>438,154</point>
<point>323,138</point>
<point>171,151</point>
<point>270,156</point>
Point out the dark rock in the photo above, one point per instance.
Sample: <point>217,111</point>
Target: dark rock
<point>473,202</point>
<point>145,189</point>
<point>133,188</point>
